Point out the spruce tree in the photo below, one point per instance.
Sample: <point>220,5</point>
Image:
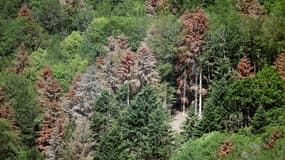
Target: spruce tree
<point>105,109</point>
<point>145,128</point>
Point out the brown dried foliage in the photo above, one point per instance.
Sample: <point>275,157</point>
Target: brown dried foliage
<point>71,94</point>
<point>145,67</point>
<point>244,68</point>
<point>280,65</point>
<point>26,12</point>
<point>22,60</point>
<point>194,27</point>
<point>48,88</point>
<point>50,92</point>
<point>225,149</point>
<point>250,7</point>
<point>126,65</point>
<point>152,5</point>
<point>6,111</point>
<point>276,134</point>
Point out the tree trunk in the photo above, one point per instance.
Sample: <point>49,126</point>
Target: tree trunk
<point>128,96</point>
<point>200,94</point>
<point>196,92</point>
<point>184,91</point>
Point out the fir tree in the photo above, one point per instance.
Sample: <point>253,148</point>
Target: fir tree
<point>145,127</point>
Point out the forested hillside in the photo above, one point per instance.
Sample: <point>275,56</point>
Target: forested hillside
<point>142,79</point>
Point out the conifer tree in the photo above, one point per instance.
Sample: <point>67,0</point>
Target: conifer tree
<point>244,68</point>
<point>26,12</point>
<point>145,67</point>
<point>280,65</point>
<point>250,7</point>
<point>105,110</point>
<point>126,74</point>
<point>259,120</point>
<point>187,66</point>
<point>6,112</point>
<point>145,128</point>
<point>22,60</point>
<point>52,128</point>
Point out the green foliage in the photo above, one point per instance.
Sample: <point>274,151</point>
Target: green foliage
<point>22,96</point>
<point>214,111</point>
<point>10,9</point>
<point>265,90</point>
<point>11,146</point>
<point>245,147</point>
<point>144,126</point>
<point>118,7</point>
<point>9,140</point>
<point>185,5</point>
<point>231,106</point>
<point>162,42</point>
<point>259,120</point>
<point>141,132</point>
<point>106,109</point>
<point>190,126</point>
<point>15,32</point>
<point>132,27</point>
<point>111,145</point>
<point>51,15</point>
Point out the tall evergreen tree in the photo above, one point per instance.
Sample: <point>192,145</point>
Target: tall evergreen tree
<point>145,127</point>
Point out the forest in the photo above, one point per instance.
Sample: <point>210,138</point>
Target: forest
<point>142,80</point>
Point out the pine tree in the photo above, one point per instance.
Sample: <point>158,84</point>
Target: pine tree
<point>145,128</point>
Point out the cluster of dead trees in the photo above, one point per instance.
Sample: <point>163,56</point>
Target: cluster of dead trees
<point>52,128</point>
<point>187,65</point>
<point>123,67</point>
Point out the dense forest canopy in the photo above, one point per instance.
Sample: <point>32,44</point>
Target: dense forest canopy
<point>142,79</point>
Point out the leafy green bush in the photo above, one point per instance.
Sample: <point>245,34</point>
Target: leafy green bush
<point>132,27</point>
<point>244,147</point>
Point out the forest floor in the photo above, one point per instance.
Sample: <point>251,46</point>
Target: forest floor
<point>177,121</point>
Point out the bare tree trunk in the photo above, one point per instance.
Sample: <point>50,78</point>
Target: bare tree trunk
<point>200,94</point>
<point>196,92</point>
<point>128,96</point>
<point>184,91</point>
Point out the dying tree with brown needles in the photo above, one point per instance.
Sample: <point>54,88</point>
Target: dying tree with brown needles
<point>22,60</point>
<point>194,27</point>
<point>280,65</point>
<point>225,149</point>
<point>244,68</point>
<point>26,12</point>
<point>51,130</point>
<point>250,7</point>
